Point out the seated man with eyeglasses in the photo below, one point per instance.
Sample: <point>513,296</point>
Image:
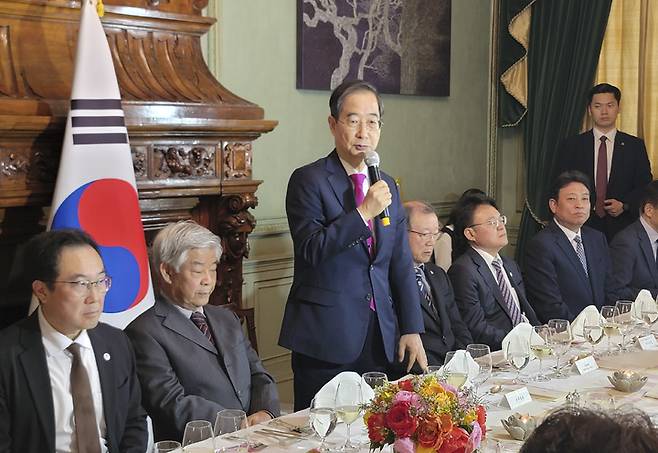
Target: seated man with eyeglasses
<point>68,382</point>
<point>488,288</point>
<point>444,328</point>
<point>567,264</point>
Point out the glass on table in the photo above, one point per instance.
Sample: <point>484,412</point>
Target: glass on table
<point>455,369</point>
<point>624,320</point>
<point>375,379</point>
<point>322,420</point>
<point>609,314</point>
<point>167,446</point>
<point>518,357</point>
<point>347,404</point>
<point>593,333</point>
<point>560,340</point>
<point>541,348</point>
<point>481,354</point>
<point>198,437</point>
<point>649,314</point>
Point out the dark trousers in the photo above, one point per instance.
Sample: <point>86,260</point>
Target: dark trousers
<point>311,374</point>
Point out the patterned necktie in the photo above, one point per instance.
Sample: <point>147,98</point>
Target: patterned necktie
<point>601,178</point>
<point>200,321</point>
<point>359,196</point>
<point>84,414</point>
<point>420,281</point>
<point>580,251</point>
<point>506,291</point>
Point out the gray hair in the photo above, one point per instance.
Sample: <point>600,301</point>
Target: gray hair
<point>175,240</point>
<point>418,207</point>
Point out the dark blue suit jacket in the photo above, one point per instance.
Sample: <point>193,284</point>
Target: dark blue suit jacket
<point>327,311</point>
<point>444,330</point>
<point>630,172</point>
<point>26,401</point>
<point>633,265</point>
<point>555,279</point>
<point>479,298</point>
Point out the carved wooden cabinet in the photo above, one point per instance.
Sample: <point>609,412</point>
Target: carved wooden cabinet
<point>191,138</point>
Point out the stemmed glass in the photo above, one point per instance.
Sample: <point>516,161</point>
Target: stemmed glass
<point>166,446</point>
<point>593,333</point>
<point>375,379</point>
<point>609,316</point>
<point>482,356</point>
<point>198,431</point>
<point>649,313</point>
<point>230,421</point>
<point>518,356</point>
<point>347,405</point>
<point>624,320</point>
<point>560,341</point>
<point>541,348</point>
<point>322,420</point>
<point>455,372</point>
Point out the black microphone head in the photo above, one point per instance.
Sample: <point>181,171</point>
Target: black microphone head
<point>372,159</point>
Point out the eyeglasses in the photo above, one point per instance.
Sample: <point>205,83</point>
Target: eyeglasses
<point>493,222</point>
<point>82,288</point>
<point>353,123</point>
<point>425,236</point>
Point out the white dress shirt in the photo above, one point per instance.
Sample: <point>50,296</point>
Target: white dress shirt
<point>59,362</point>
<point>570,235</point>
<point>653,235</point>
<point>609,145</point>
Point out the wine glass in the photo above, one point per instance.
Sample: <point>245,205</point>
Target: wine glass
<point>375,379</point>
<point>455,369</point>
<point>166,446</point>
<point>609,315</point>
<point>518,356</point>
<point>347,405</point>
<point>560,340</point>
<point>624,320</point>
<point>649,313</point>
<point>196,432</point>
<point>322,420</point>
<point>482,356</point>
<point>540,346</point>
<point>593,333</point>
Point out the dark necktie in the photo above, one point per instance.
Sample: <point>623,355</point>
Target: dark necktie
<point>84,414</point>
<point>580,251</point>
<point>359,196</point>
<point>657,254</point>
<point>506,291</point>
<point>424,290</point>
<point>601,177</point>
<point>200,321</point>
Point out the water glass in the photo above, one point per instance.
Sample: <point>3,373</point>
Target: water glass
<point>518,357</point>
<point>624,320</point>
<point>167,446</point>
<point>375,379</point>
<point>560,340</point>
<point>198,437</point>
<point>482,356</point>
<point>322,420</point>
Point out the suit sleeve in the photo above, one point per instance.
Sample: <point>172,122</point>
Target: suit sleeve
<point>623,266</point>
<point>467,297</point>
<point>164,396</point>
<point>459,329</point>
<point>542,284</point>
<point>5,416</point>
<point>135,433</point>
<point>317,238</point>
<point>642,176</point>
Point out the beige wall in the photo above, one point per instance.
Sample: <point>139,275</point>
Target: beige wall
<point>436,146</point>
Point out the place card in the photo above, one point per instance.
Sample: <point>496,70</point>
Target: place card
<point>648,342</point>
<point>546,394</point>
<point>518,398</point>
<point>586,365</point>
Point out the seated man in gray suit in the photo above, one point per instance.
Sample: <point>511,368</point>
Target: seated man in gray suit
<point>444,328</point>
<point>633,251</point>
<point>193,359</point>
<point>488,288</point>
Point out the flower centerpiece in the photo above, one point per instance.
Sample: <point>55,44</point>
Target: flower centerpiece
<point>424,415</point>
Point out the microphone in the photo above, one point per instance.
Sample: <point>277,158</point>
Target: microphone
<point>372,161</point>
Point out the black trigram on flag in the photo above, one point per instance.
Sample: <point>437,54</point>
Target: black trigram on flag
<point>98,121</point>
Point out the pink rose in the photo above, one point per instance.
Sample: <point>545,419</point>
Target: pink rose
<point>474,439</point>
<point>413,399</point>
<point>404,445</point>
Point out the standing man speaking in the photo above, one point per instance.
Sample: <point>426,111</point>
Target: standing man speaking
<point>354,293</point>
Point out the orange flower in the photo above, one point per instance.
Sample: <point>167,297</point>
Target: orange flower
<point>446,423</point>
<point>455,441</point>
<point>482,419</point>
<point>429,432</point>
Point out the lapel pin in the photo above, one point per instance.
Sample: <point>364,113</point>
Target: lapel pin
<point>106,356</point>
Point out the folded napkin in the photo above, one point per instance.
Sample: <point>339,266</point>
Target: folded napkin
<point>589,315</point>
<point>327,394</point>
<point>643,299</point>
<point>462,362</point>
<point>518,339</point>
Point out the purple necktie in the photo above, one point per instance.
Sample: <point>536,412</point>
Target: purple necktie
<point>359,196</point>
<point>200,321</point>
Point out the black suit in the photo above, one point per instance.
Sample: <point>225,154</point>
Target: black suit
<point>633,264</point>
<point>630,172</point>
<point>27,420</point>
<point>557,284</point>
<point>444,329</point>
<point>479,298</point>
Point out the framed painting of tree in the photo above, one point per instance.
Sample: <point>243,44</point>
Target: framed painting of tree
<point>401,46</point>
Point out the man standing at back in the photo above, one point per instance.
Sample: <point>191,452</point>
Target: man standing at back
<point>617,163</point>
<point>354,290</point>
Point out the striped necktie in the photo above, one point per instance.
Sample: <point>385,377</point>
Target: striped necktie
<point>580,251</point>
<point>200,321</point>
<point>506,291</point>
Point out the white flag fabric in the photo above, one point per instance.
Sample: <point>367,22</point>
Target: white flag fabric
<point>96,190</point>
